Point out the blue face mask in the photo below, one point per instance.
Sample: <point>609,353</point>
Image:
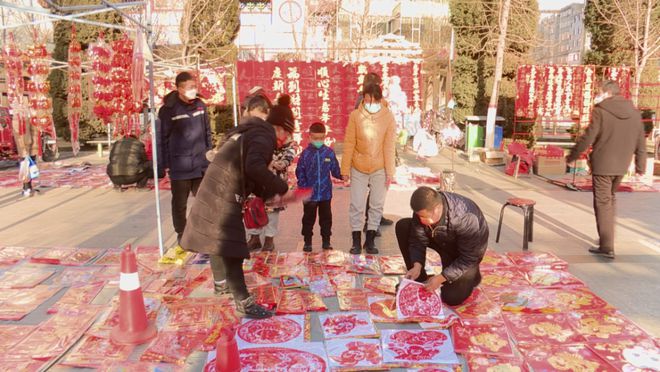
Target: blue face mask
<point>372,108</point>
<point>317,144</point>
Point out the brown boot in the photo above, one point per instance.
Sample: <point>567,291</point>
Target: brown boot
<point>254,243</point>
<point>269,244</point>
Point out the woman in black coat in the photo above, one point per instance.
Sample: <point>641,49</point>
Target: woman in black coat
<point>215,225</point>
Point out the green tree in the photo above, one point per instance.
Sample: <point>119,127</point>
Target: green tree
<point>476,26</point>
<point>58,78</point>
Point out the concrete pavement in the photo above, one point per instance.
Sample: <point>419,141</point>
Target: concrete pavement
<point>564,225</point>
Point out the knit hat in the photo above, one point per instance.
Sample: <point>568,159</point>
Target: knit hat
<point>282,116</point>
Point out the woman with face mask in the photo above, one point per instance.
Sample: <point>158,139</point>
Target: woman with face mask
<point>368,163</point>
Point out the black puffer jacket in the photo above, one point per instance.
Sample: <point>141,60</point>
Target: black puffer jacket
<point>462,240</point>
<point>127,158</point>
<point>215,225</point>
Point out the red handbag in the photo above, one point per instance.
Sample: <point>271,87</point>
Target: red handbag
<point>254,208</point>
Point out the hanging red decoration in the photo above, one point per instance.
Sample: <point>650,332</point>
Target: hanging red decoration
<point>100,56</point>
<point>38,89</point>
<point>74,91</point>
<point>11,56</point>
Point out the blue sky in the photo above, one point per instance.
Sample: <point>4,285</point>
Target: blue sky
<point>556,4</point>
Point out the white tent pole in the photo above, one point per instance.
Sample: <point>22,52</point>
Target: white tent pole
<point>234,94</point>
<point>152,120</point>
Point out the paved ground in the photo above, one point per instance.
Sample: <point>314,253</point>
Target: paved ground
<point>564,225</point>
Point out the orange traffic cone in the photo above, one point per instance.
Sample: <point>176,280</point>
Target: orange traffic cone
<point>226,357</point>
<point>133,327</point>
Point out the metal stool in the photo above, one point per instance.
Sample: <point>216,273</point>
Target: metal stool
<point>527,206</point>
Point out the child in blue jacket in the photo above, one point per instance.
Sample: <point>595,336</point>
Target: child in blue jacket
<point>317,162</point>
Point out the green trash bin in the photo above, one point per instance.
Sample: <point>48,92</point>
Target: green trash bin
<point>474,136</point>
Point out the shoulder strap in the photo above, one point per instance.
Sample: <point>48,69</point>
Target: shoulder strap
<point>238,137</point>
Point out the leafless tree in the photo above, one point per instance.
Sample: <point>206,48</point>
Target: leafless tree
<point>638,23</point>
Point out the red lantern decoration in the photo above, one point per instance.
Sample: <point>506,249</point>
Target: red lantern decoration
<point>74,97</point>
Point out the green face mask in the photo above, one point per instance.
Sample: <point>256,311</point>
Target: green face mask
<point>317,144</point>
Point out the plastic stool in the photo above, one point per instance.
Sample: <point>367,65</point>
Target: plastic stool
<point>527,206</point>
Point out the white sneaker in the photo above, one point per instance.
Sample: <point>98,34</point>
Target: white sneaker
<point>27,193</point>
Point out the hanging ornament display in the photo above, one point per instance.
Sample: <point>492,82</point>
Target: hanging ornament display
<point>138,85</point>
<point>74,91</point>
<point>38,88</point>
<point>123,106</point>
<point>100,56</point>
<point>11,56</point>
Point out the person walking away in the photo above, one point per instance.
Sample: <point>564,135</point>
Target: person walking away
<point>129,163</point>
<point>282,159</point>
<point>453,226</point>
<point>316,165</point>
<point>184,139</point>
<point>368,164</point>
<point>215,225</point>
<point>616,133</point>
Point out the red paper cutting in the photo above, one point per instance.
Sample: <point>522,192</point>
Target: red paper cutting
<point>17,303</point>
<point>11,335</point>
<point>80,257</point>
<point>630,355</point>
<point>281,359</point>
<point>544,358</point>
<point>313,302</point>
<point>549,278</point>
<point>392,265</point>
<point>51,256</point>
<point>479,307</point>
<point>274,330</point>
<point>487,339</point>
<point>493,260</point>
<point>605,326</point>
<point>535,259</point>
<point>364,264</point>
<point>381,284</point>
<point>383,309</point>
<point>93,352</point>
<point>291,302</point>
<point>352,299</point>
<point>485,363</point>
<point>173,346</point>
<point>24,278</point>
<point>11,255</point>
<point>414,301</point>
<point>502,278</point>
<point>574,299</point>
<point>416,347</point>
<point>353,354</point>
<point>542,328</point>
<point>347,325</point>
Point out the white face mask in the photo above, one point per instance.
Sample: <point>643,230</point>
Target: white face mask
<point>191,94</point>
<point>372,108</point>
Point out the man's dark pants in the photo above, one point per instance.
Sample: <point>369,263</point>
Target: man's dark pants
<point>231,270</point>
<point>604,189</point>
<point>452,294</point>
<point>139,179</point>
<point>181,189</point>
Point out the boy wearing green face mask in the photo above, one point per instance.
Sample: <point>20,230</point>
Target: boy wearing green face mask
<point>316,164</point>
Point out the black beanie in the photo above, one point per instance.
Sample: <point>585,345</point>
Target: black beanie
<point>282,116</point>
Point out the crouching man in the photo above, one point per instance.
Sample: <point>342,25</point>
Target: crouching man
<point>453,226</point>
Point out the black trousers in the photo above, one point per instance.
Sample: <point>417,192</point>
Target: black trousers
<point>231,270</point>
<point>604,189</point>
<point>181,189</point>
<point>139,179</point>
<point>454,293</point>
<point>310,209</point>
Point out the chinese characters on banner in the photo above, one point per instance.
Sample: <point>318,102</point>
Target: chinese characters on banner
<point>325,91</point>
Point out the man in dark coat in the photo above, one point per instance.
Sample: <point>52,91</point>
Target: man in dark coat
<point>453,226</point>
<point>129,163</point>
<point>616,133</point>
<point>215,224</point>
<point>183,140</point>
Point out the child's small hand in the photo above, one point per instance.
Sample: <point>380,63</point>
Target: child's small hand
<point>279,165</point>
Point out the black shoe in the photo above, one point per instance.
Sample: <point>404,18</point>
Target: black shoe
<point>307,248</point>
<point>378,233</point>
<point>370,243</point>
<point>357,243</point>
<point>386,221</point>
<point>326,243</point>
<point>251,309</point>
<point>600,252</point>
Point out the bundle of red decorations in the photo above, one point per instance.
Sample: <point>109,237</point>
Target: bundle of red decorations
<point>11,56</point>
<point>74,91</point>
<point>40,103</point>
<point>100,55</point>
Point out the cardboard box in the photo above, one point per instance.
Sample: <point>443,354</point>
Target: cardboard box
<point>490,157</point>
<point>547,166</point>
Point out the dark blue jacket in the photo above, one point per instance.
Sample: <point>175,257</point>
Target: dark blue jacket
<point>184,137</point>
<point>314,169</point>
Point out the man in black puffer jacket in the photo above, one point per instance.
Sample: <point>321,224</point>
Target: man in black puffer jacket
<point>453,226</point>
<point>129,163</point>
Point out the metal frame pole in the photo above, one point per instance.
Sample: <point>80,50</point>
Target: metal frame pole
<point>234,93</point>
<point>152,120</point>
